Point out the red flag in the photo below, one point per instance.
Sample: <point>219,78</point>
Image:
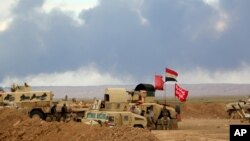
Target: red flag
<point>159,83</point>
<point>171,75</point>
<point>181,93</point>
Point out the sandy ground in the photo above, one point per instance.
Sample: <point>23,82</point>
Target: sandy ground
<point>16,126</point>
<point>197,130</point>
<point>200,122</point>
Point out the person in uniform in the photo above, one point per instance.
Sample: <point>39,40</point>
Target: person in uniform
<point>64,112</point>
<point>150,117</point>
<point>54,112</point>
<point>165,117</point>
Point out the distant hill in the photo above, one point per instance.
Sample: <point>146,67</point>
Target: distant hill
<point>195,90</point>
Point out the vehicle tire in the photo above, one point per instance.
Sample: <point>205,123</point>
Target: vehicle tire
<point>49,118</point>
<point>37,113</point>
<point>138,126</point>
<point>233,114</point>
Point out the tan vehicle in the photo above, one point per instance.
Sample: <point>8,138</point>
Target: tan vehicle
<point>39,103</point>
<point>143,97</point>
<point>112,118</point>
<point>233,108</point>
<point>35,103</point>
<point>76,109</point>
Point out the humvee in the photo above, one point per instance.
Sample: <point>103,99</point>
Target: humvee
<point>113,118</point>
<point>119,99</point>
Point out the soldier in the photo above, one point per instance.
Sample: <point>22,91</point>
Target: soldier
<point>64,112</point>
<point>150,116</point>
<point>135,109</point>
<point>54,112</point>
<point>13,87</point>
<point>165,117</point>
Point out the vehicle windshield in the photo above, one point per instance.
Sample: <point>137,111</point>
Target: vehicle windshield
<point>1,89</point>
<point>91,115</point>
<point>101,116</point>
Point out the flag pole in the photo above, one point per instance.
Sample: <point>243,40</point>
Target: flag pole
<point>165,93</point>
<point>174,94</point>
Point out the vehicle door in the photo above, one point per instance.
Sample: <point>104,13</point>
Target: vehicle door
<point>126,119</point>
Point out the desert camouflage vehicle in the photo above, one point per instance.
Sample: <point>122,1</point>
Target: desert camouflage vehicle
<point>39,103</point>
<point>118,99</point>
<point>233,107</point>
<point>113,118</point>
<point>35,103</point>
<point>76,109</point>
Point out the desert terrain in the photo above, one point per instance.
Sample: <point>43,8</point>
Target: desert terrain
<point>202,120</point>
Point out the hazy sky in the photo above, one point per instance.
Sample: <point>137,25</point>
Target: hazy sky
<point>96,42</point>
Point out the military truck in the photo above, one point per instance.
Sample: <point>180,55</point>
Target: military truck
<point>143,97</point>
<point>114,118</point>
<point>233,107</point>
<point>35,103</point>
<point>39,103</point>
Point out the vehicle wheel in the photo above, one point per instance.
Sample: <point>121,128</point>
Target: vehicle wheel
<point>138,126</point>
<point>38,114</point>
<point>233,114</point>
<point>49,118</point>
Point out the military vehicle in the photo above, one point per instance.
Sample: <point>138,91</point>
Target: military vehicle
<point>35,103</point>
<point>114,118</point>
<point>113,111</point>
<point>143,97</point>
<point>76,109</point>
<point>39,103</point>
<point>233,107</point>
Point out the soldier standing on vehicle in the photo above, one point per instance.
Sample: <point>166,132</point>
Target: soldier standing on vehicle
<point>64,112</point>
<point>135,109</point>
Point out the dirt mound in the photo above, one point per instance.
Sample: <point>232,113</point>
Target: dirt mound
<point>17,126</point>
<point>204,110</point>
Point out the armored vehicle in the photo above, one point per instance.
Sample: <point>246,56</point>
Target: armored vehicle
<point>114,118</point>
<point>233,107</point>
<point>143,97</point>
<point>35,103</point>
<point>39,103</point>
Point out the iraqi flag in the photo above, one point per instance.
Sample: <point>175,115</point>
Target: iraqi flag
<point>159,83</point>
<point>181,93</point>
<point>171,75</point>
